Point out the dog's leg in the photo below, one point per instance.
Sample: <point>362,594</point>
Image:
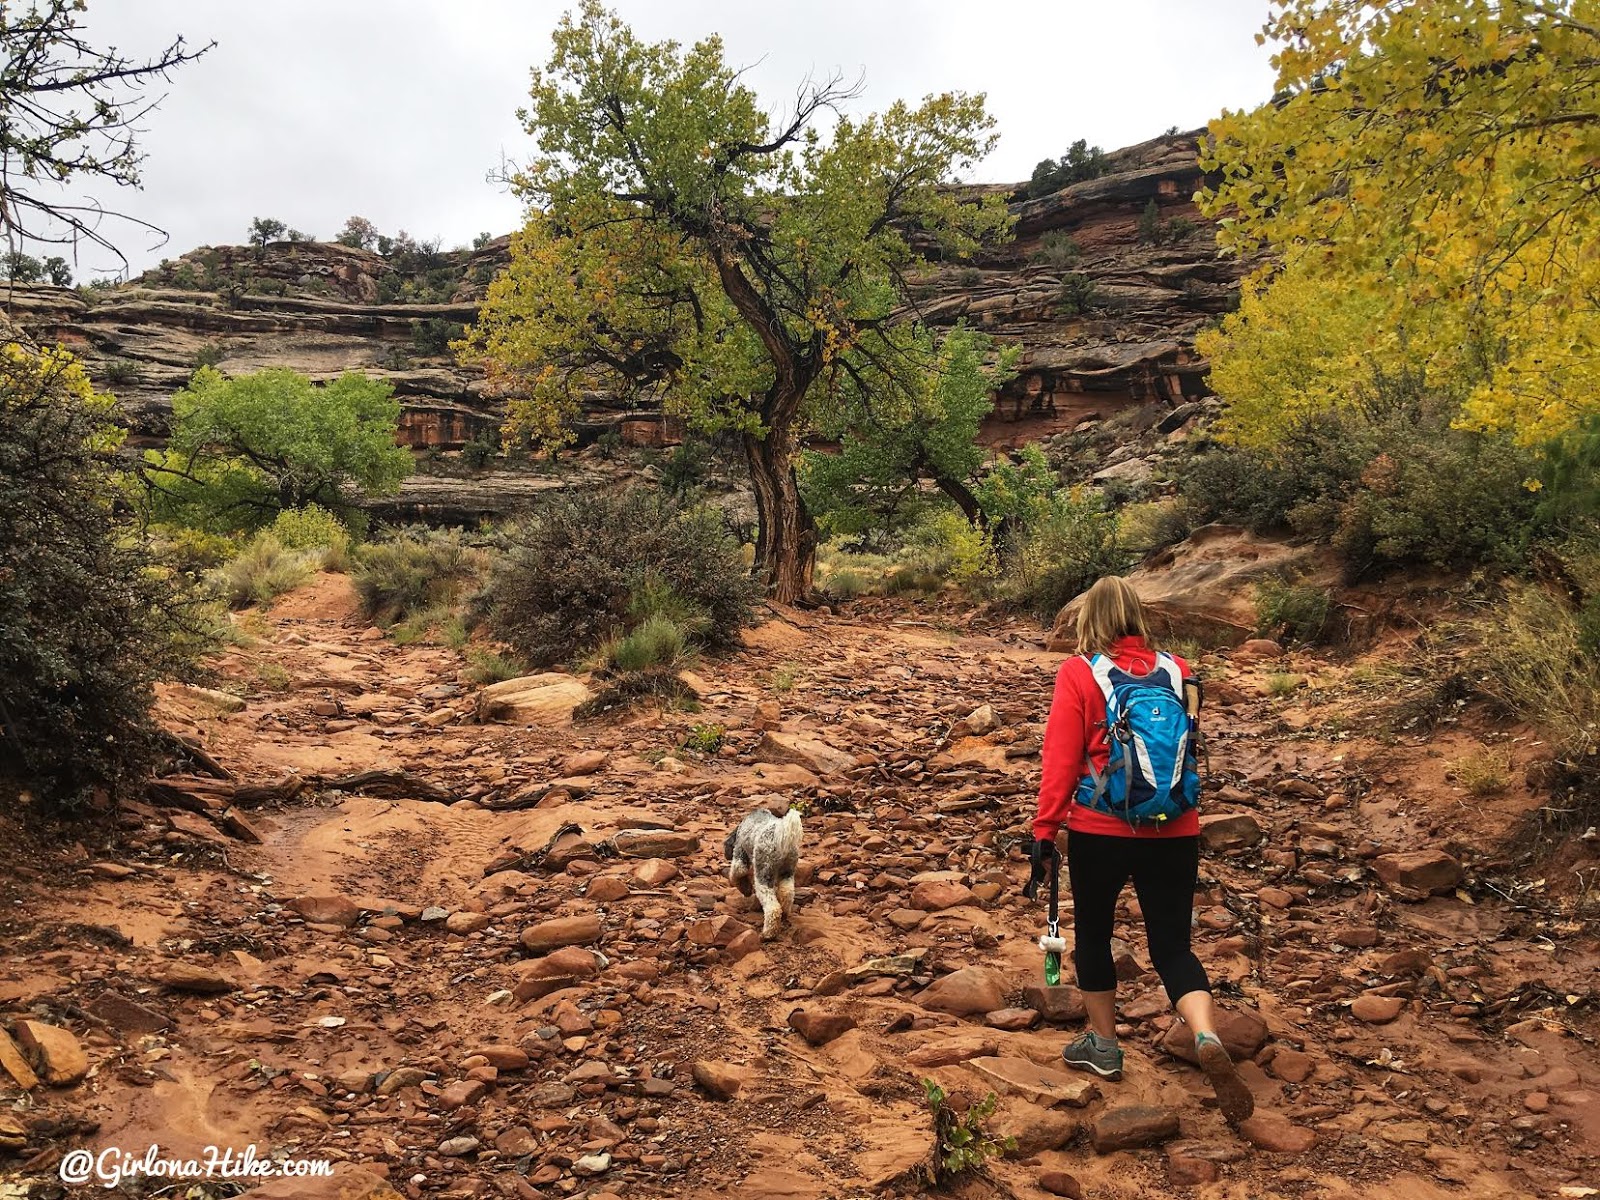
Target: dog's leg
<point>771,909</point>
<point>739,874</point>
<point>786,897</point>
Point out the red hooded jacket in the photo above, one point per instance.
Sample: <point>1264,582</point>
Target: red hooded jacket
<point>1075,735</point>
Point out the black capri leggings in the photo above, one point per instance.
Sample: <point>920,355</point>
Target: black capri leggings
<point>1164,871</point>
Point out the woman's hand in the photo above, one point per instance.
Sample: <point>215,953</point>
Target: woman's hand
<point>1041,855</point>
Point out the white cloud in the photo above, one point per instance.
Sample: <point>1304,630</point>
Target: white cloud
<point>313,110</point>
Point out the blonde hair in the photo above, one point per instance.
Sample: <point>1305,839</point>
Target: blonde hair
<point>1110,610</point>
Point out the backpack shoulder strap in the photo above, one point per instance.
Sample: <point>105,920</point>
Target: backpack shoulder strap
<point>1168,666</point>
<point>1100,667</point>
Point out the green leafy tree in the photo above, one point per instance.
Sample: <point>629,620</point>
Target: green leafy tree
<point>57,271</point>
<point>70,113</point>
<point>264,230</point>
<point>892,437</point>
<point>683,245</point>
<point>243,450</point>
<point>358,233</point>
<point>1081,162</point>
<point>23,268</point>
<point>87,621</point>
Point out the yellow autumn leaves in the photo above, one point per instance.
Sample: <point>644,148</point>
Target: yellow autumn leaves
<point>1425,184</point>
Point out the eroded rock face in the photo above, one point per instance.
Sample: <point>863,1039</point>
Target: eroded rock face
<point>1205,587</point>
<point>321,309</point>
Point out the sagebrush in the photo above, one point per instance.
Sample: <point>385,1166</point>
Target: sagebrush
<point>589,567</point>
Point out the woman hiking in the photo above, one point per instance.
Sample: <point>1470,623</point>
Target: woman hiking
<point>1122,825</point>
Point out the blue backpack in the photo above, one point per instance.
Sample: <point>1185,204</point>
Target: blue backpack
<point>1153,774</point>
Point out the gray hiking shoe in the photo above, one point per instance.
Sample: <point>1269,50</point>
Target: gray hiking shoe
<point>1090,1053</point>
<point>1233,1094</point>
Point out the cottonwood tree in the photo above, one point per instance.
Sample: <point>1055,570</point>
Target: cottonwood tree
<point>70,112</point>
<point>358,233</point>
<point>907,430</point>
<point>1430,170</point>
<point>682,245</point>
<point>243,450</point>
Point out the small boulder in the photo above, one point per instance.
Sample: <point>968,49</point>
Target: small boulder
<point>655,872</point>
<point>1375,1009</point>
<point>966,992</point>
<point>327,910</point>
<point>820,1028</point>
<point>1039,1085</point>
<point>938,895</point>
<point>1059,1183</point>
<point>545,699</point>
<point>584,762</point>
<point>194,977</point>
<point>1221,832</point>
<point>655,843</point>
<point>1132,1126</point>
<point>1058,1005</point>
<point>1241,1031</point>
<point>562,931</point>
<point>1276,1134</point>
<point>55,1053</point>
<point>719,1080</point>
<point>950,1051</point>
<point>817,757</point>
<point>1427,871</point>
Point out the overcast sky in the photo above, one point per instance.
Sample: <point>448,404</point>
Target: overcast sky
<point>313,110</point>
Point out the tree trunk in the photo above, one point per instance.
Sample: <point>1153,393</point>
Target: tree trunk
<point>786,538</point>
<point>965,500</point>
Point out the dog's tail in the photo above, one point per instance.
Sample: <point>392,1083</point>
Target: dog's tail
<point>792,831</point>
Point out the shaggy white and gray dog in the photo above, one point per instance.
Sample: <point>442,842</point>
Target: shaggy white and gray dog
<point>763,854</point>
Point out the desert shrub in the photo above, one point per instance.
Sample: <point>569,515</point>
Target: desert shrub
<point>309,528</point>
<point>1063,550</point>
<point>191,553</point>
<point>962,1142</point>
<point>209,355</point>
<point>1532,659</point>
<point>1571,474</point>
<point>1454,500</point>
<point>1484,772</point>
<point>264,570</point>
<point>948,546</point>
<point>1152,526</point>
<point>1291,611</point>
<point>480,451</point>
<point>89,618</point>
<point>685,467</point>
<point>657,643</point>
<point>491,666</point>
<point>413,571</point>
<point>705,737</point>
<point>846,583</point>
<point>969,277</point>
<point>1057,249</point>
<point>589,567</point>
<point>1401,488</point>
<point>1282,683</point>
<point>1180,228</point>
<point>432,337</point>
<point>120,371</point>
<point>1078,294</point>
<point>1015,492</point>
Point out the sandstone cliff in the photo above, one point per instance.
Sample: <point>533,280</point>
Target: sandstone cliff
<point>1105,313</point>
